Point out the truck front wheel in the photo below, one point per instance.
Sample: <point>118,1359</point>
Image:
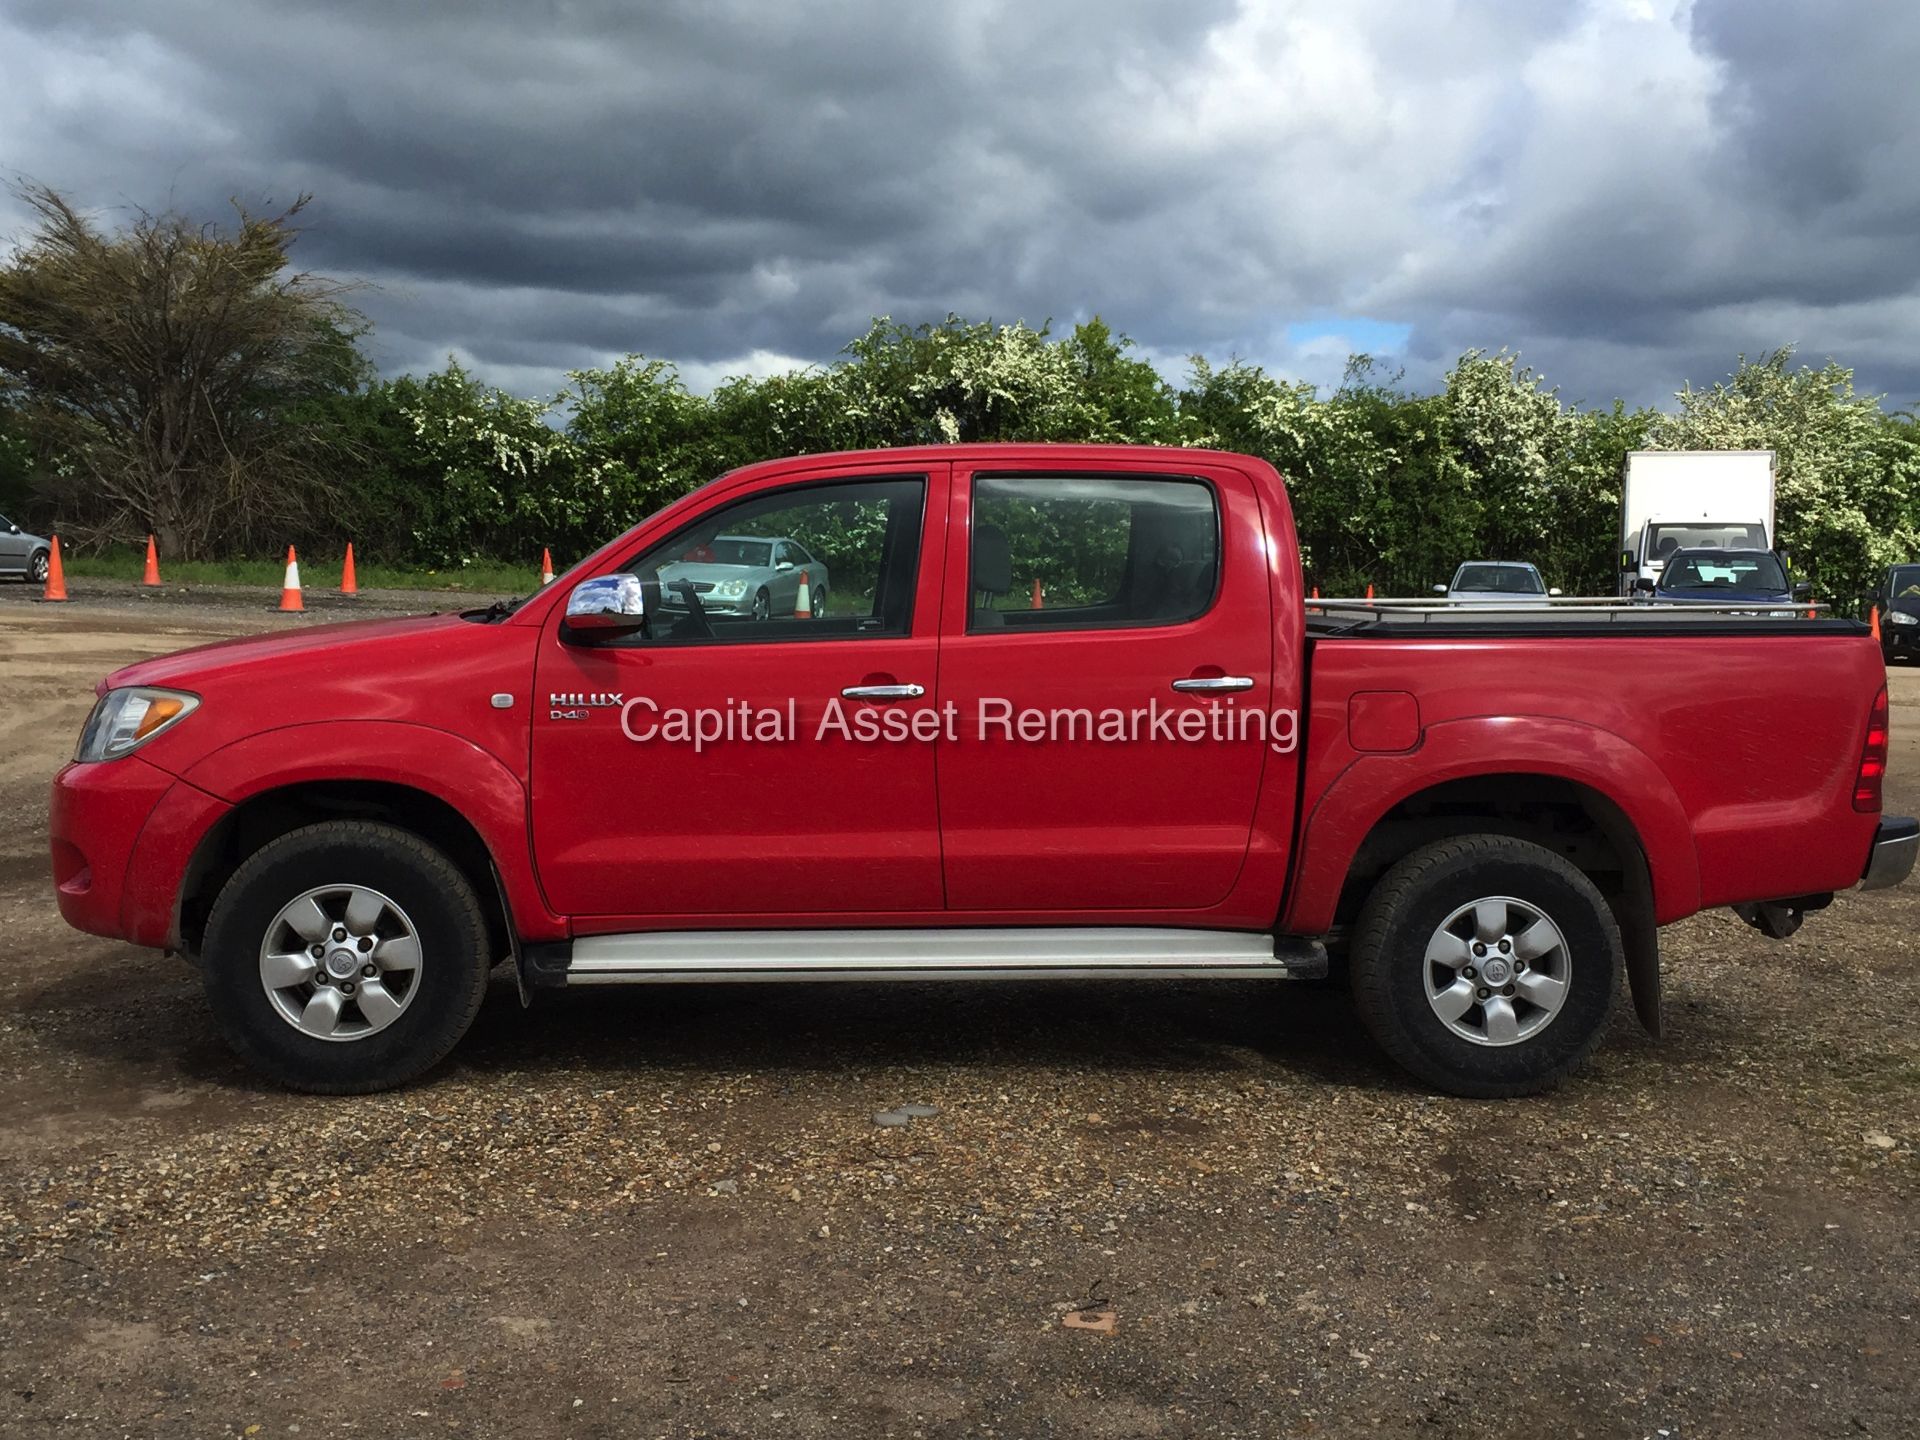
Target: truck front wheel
<point>1486,965</point>
<point>346,957</point>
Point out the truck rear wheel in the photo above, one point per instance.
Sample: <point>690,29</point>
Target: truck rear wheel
<point>346,957</point>
<point>1486,965</point>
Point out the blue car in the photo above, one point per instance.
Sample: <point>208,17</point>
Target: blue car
<point>1727,577</point>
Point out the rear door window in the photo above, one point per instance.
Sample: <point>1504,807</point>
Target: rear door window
<point>1075,552</point>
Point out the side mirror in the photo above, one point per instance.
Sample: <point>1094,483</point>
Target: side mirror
<point>12,529</point>
<point>1629,561</point>
<point>606,608</point>
<point>1439,589</point>
<point>1802,590</point>
<point>1556,592</point>
<point>1643,586</point>
<point>784,565</point>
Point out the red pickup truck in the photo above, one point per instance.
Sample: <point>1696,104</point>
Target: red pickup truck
<point>972,712</point>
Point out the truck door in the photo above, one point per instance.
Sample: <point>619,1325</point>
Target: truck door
<point>698,769</point>
<point>1085,614</point>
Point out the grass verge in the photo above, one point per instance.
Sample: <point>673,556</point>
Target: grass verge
<point>485,578</point>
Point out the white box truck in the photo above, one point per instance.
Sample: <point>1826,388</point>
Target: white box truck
<point>1675,498</point>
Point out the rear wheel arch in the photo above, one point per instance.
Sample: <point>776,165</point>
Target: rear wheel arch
<point>1354,799</point>
<point>263,818</point>
<point>1566,817</point>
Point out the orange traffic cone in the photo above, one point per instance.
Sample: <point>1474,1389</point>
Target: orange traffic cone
<point>546,566</point>
<point>803,602</point>
<point>349,584</point>
<point>1873,623</point>
<point>1039,595</point>
<point>290,587</point>
<point>152,577</point>
<point>1369,590</point>
<point>1316,592</point>
<point>56,575</point>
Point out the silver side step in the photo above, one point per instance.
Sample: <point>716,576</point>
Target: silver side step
<point>938,954</point>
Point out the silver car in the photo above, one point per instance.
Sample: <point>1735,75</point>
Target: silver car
<point>1496,582</point>
<point>23,554</point>
<point>752,576</point>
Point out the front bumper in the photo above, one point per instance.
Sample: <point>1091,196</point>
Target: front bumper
<point>1894,849</point>
<point>122,833</point>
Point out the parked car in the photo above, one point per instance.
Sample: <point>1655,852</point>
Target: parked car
<point>1160,767</point>
<point>752,576</point>
<point>1496,582</point>
<point>1727,577</point>
<point>22,554</point>
<point>1899,602</point>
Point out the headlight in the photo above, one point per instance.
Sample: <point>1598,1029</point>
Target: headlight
<point>124,720</point>
<point>731,590</point>
<point>1900,617</point>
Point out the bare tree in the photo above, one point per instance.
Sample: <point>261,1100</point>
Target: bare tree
<point>162,365</point>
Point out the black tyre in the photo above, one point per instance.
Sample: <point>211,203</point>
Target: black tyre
<point>817,601</point>
<point>1486,966</point>
<point>762,604</point>
<point>345,957</point>
<point>37,567</point>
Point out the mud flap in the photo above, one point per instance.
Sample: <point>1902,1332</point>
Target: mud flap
<point>514,956</point>
<point>1640,938</point>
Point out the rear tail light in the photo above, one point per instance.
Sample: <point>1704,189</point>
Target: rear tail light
<point>1873,758</point>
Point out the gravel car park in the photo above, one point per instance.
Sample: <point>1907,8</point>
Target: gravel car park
<point>1139,1210</point>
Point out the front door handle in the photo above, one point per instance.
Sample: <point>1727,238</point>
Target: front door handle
<point>1214,684</point>
<point>887,692</point>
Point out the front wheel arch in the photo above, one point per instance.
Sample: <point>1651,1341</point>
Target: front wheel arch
<point>261,819</point>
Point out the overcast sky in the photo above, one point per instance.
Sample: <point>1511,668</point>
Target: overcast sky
<point>1629,192</point>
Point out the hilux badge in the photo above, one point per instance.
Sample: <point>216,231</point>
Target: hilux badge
<point>574,704</point>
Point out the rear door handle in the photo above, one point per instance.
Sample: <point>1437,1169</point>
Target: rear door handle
<point>1214,684</point>
<point>887,692</point>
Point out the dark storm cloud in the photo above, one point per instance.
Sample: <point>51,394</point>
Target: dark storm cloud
<point>1630,193</point>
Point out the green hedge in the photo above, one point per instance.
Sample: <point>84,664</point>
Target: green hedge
<point>1390,488</point>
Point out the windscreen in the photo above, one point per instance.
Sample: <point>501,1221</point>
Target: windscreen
<point>1704,570</point>
<point>1499,579</point>
<point>758,553</point>
<point>1663,540</point>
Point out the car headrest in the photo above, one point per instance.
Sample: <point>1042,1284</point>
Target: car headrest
<point>992,560</point>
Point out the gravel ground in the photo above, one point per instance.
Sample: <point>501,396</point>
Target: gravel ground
<point>1141,1210</point>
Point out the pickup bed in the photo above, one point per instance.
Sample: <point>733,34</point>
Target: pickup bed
<point>1064,711</point>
